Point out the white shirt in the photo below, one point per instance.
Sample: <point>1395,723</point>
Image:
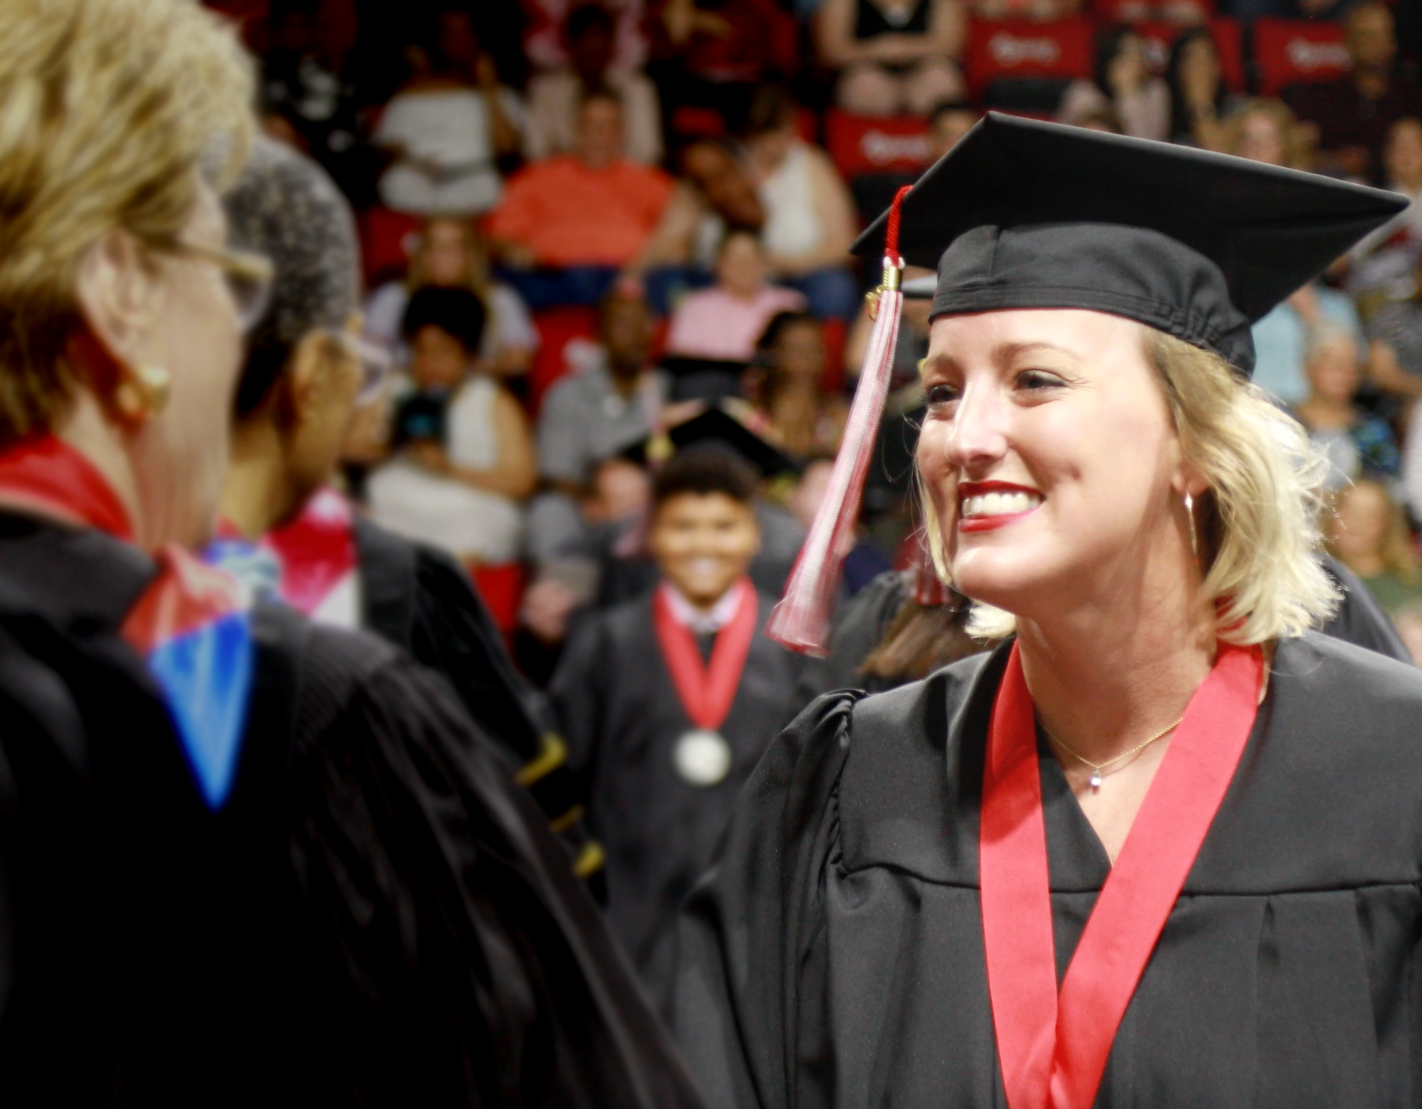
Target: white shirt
<point>704,621</point>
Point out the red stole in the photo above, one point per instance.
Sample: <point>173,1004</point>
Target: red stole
<point>707,693</point>
<point>1053,1048</point>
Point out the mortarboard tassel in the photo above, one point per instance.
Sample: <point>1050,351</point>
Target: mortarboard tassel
<point>929,589</point>
<point>801,619</point>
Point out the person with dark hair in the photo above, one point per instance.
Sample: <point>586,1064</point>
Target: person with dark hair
<point>463,459</point>
<point>785,387</point>
<point>286,532</point>
<point>1121,85</point>
<point>668,701</point>
<point>1199,102</point>
<point>553,97</point>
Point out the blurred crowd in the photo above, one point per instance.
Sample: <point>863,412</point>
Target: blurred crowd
<point>586,220</point>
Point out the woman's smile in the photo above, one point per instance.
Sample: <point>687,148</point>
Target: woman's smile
<point>985,505</point>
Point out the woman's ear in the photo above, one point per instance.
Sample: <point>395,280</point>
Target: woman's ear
<point>118,291</point>
<point>308,377</point>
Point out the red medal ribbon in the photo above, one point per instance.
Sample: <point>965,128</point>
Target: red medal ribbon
<point>707,693</point>
<point>1053,1049</point>
<point>48,476</point>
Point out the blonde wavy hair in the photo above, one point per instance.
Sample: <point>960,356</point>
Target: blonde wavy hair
<point>110,110</point>
<point>1260,516</point>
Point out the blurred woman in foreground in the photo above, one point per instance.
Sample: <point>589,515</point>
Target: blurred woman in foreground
<point>243,860</point>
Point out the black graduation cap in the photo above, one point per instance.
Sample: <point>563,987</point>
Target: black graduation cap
<point>1026,214</point>
<point>714,427</point>
<point>707,379</point>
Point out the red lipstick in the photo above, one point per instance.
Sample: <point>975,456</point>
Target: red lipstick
<point>970,489</point>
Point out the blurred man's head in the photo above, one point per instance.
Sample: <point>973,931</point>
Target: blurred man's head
<point>1372,43</point>
<point>1403,154</point>
<point>947,126</point>
<point>591,35</point>
<point>598,139</point>
<point>625,327</point>
<point>704,533</point>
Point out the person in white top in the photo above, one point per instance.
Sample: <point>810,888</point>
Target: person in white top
<point>447,128</point>
<point>809,214</point>
<point>464,458</point>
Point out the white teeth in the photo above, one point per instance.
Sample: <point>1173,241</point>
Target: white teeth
<point>999,504</point>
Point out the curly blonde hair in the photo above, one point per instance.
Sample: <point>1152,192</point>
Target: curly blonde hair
<point>1260,516</point>
<point>110,110</point>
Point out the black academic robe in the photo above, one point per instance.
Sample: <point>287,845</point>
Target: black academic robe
<point>864,619</point>
<point>622,718</point>
<point>835,957</point>
<point>374,916</point>
<point>422,601</point>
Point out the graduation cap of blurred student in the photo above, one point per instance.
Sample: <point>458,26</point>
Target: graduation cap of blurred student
<point>1025,214</point>
<point>668,699</point>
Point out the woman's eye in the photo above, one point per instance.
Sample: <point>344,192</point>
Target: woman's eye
<point>1038,379</point>
<point>940,394</point>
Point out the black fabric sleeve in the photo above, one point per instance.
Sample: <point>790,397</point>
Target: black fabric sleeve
<point>462,962</point>
<point>752,931</point>
<point>577,693</point>
<point>858,628</point>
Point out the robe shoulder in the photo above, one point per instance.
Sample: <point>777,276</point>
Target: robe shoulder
<point>858,628</point>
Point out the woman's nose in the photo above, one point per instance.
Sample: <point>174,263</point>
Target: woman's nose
<point>978,435</point>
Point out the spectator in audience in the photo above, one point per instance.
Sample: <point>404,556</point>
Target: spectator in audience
<point>546,41</point>
<point>1265,130</point>
<point>1354,441</point>
<point>714,194</point>
<point>452,253</point>
<point>725,321</point>
<point>1384,265</point>
<point>568,225</point>
<point>308,97</point>
<point>1396,333</point>
<point>714,53</point>
<point>1199,103</point>
<point>463,455</point>
<point>1280,339</point>
<point>590,416</point>
<point>809,215</point>
<point>949,121</point>
<point>1367,532</point>
<point>554,97</point>
<point>1353,112</point>
<point>448,125</point>
<point>788,405</point>
<point>1124,83</point>
<point>893,56</point>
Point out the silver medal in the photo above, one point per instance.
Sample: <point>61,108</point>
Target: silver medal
<point>702,757</point>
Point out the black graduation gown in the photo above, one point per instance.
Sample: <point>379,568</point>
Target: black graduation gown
<point>422,601</point>
<point>864,619</point>
<point>374,916</point>
<point>835,956</point>
<point>622,718</point>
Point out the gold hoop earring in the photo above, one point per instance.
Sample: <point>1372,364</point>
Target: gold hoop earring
<point>143,393</point>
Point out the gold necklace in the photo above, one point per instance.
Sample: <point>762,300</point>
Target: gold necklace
<point>1097,767</point>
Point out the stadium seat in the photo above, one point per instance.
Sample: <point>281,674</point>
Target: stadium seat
<point>1007,50</point>
<point>386,243</point>
<point>1229,40</point>
<point>501,587</point>
<point>860,145</point>
<point>1178,13</point>
<point>1296,52</point>
<point>557,329</point>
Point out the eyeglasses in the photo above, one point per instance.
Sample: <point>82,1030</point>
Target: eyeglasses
<point>375,365</point>
<point>248,277</point>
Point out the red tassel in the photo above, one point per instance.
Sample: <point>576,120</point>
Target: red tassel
<point>928,588</point>
<point>801,620</point>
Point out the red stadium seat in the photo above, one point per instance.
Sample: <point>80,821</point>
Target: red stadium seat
<point>1020,48</point>
<point>557,327</point>
<point>387,239</point>
<point>1296,51</point>
<point>1229,40</point>
<point>861,145</point>
<point>501,586</point>
<point>1176,12</point>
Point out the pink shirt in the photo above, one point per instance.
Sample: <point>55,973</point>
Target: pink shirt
<point>715,324</point>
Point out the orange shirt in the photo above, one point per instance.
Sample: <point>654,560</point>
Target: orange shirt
<point>570,215</point>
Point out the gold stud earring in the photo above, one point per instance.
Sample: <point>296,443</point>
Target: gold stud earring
<point>143,393</point>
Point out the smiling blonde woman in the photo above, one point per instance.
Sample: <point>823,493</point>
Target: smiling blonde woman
<point>1162,846</point>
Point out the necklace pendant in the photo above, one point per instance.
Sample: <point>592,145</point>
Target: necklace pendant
<point>1096,779</point>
